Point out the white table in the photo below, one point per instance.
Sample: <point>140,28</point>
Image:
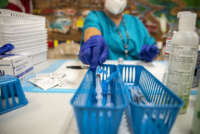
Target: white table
<point>51,113</point>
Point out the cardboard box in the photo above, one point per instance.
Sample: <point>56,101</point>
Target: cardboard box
<point>18,65</point>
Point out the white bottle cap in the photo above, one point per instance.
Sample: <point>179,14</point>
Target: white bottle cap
<point>159,44</point>
<point>187,20</point>
<point>120,60</point>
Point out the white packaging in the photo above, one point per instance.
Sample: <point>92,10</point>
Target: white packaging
<point>17,65</point>
<point>37,57</point>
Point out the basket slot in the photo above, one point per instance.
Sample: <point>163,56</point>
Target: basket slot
<point>167,117</point>
<point>20,94</point>
<point>160,121</point>
<point>159,102</point>
<point>153,91</point>
<point>5,98</point>
<point>105,73</point>
<point>156,94</point>
<point>93,121</point>
<point>123,74</point>
<point>155,122</point>
<point>81,99</point>
<point>108,72</point>
<point>12,94</point>
<point>8,96</point>
<point>128,74</point>
<point>107,126</point>
<point>160,97</point>
<point>164,97</point>
<point>100,122</point>
<point>167,99</point>
<point>145,84</point>
<point>172,118</point>
<point>131,74</point>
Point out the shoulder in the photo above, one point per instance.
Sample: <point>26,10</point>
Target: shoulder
<point>95,14</point>
<point>132,19</point>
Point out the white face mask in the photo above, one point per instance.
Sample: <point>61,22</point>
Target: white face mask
<point>115,6</point>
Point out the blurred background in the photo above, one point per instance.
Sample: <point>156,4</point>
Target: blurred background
<point>65,19</point>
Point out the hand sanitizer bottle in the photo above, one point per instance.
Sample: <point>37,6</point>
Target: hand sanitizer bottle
<point>183,57</point>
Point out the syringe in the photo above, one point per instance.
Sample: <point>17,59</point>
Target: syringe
<point>99,96</point>
<point>109,102</point>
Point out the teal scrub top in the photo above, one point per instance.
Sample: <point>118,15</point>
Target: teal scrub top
<point>138,34</point>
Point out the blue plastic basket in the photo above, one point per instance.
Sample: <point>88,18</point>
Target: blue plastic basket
<point>11,94</point>
<point>159,115</point>
<point>93,119</point>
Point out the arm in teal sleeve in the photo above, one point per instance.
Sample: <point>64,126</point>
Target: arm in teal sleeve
<point>91,21</point>
<point>148,40</point>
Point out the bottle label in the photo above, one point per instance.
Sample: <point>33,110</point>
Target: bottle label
<point>181,68</point>
<point>184,58</point>
<point>179,82</point>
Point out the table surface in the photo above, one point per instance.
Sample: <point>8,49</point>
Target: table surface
<point>51,113</point>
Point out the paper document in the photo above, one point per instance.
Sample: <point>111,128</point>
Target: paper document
<point>62,78</point>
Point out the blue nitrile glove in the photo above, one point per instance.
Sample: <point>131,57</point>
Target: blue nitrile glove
<point>6,48</point>
<point>94,51</point>
<point>148,53</point>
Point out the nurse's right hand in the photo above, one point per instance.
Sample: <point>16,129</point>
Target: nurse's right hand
<point>94,51</point>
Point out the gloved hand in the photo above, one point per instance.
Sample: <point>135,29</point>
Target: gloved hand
<point>6,48</point>
<point>148,53</point>
<point>94,51</point>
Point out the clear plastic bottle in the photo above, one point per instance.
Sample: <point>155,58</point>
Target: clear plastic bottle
<point>183,56</point>
<point>196,117</point>
<point>168,44</point>
<point>173,29</point>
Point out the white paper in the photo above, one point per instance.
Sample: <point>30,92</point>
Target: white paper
<point>62,78</point>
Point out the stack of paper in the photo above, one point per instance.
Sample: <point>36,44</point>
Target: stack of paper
<point>26,32</point>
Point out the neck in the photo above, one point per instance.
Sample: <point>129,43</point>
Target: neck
<point>115,18</point>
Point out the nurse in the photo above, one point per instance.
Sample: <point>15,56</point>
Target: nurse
<point>112,34</point>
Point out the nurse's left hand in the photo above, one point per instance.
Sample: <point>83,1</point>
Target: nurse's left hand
<point>94,51</point>
<point>148,53</point>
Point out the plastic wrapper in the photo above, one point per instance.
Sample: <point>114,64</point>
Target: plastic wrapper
<point>61,25</point>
